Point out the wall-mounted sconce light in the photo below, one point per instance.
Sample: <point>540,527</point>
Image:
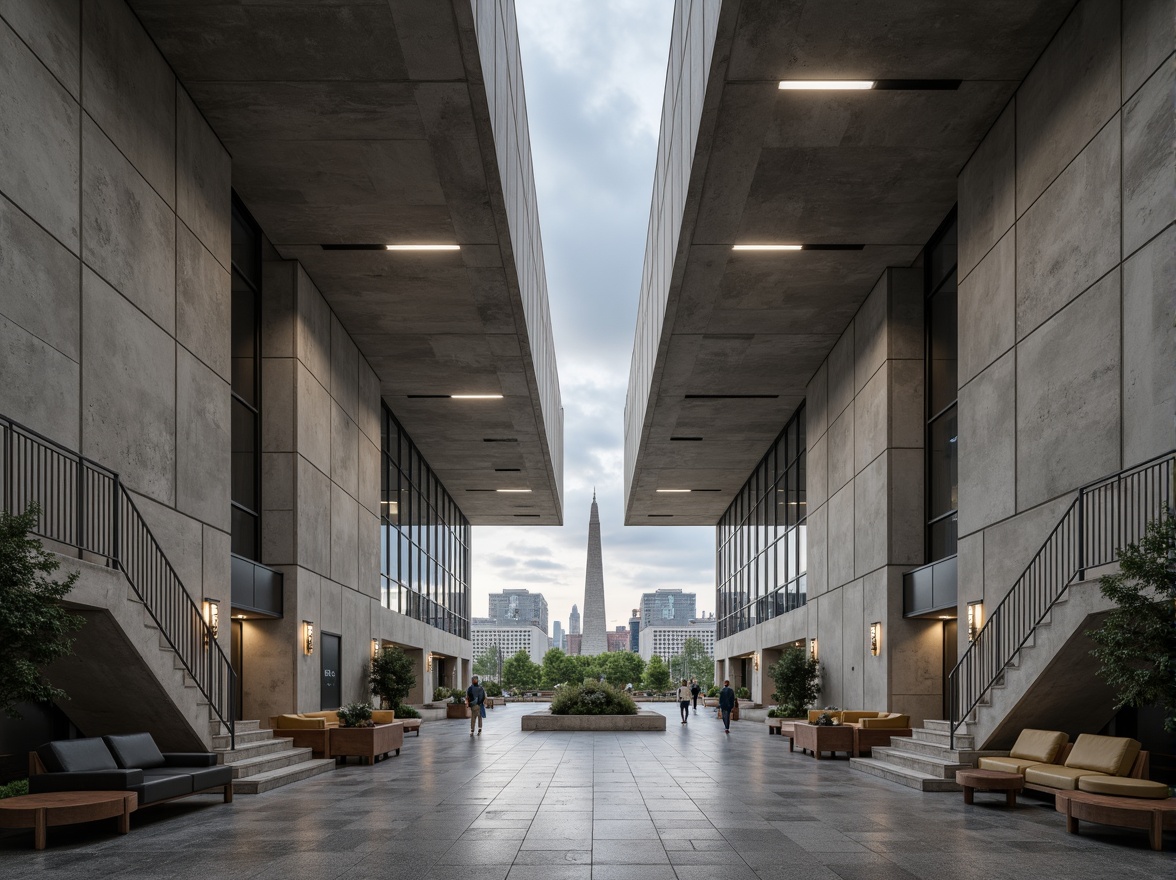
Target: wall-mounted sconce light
<point>375,648</point>
<point>813,648</point>
<point>975,618</point>
<point>308,637</point>
<point>875,638</point>
<point>428,662</point>
<point>755,660</point>
<point>212,618</point>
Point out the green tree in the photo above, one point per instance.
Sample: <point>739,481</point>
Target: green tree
<point>488,662</point>
<point>558,668</point>
<point>621,668</point>
<point>34,627</point>
<point>1136,645</point>
<point>392,677</point>
<point>587,668</point>
<point>657,675</point>
<point>520,673</point>
<point>694,662</point>
<point>797,680</point>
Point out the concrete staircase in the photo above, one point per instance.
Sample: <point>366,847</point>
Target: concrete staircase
<point>925,760</point>
<point>262,762</point>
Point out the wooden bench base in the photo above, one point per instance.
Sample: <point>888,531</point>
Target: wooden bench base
<point>1124,812</point>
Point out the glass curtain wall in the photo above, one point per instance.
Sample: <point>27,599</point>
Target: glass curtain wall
<point>424,539</point>
<point>245,425</point>
<point>761,557</point>
<point>942,390</point>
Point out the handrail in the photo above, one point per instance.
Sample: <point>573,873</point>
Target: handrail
<point>86,506</point>
<point>1105,516</point>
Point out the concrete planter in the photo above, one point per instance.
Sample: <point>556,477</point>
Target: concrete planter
<point>642,721</point>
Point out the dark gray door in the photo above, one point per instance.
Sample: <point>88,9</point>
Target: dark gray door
<point>331,650</point>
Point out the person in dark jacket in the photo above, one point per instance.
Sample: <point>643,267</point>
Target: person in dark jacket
<point>695,690</point>
<point>726,704</point>
<point>476,700</point>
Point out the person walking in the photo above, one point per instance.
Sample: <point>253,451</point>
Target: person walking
<point>684,699</point>
<point>695,690</point>
<point>476,700</point>
<point>726,704</point>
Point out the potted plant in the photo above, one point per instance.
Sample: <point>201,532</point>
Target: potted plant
<point>356,715</point>
<point>797,680</point>
<point>456,708</point>
<point>392,678</point>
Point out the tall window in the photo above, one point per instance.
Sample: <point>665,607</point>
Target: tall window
<point>761,541</point>
<point>246,385</point>
<point>942,452</point>
<point>425,539</point>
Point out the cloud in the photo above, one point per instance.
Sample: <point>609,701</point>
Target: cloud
<point>594,73</point>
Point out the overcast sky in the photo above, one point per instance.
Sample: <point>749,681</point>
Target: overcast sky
<point>594,71</point>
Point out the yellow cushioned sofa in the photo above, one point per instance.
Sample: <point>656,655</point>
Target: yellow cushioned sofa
<point>387,716</point>
<point>1100,764</point>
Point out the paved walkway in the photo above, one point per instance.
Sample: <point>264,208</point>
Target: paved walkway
<point>687,804</point>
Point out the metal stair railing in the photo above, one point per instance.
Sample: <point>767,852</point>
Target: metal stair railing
<point>85,506</point>
<point>1106,516</point>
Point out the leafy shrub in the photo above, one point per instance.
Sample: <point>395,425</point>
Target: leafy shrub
<point>356,715</point>
<point>713,691</point>
<point>456,696</point>
<point>824,720</point>
<point>743,694</point>
<point>797,680</point>
<point>403,711</point>
<point>14,789</point>
<point>781,712</point>
<point>592,698</point>
<point>441,694</point>
<point>493,688</point>
<point>391,677</point>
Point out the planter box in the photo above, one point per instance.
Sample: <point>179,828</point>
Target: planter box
<point>642,721</point>
<point>457,710</point>
<point>369,744</point>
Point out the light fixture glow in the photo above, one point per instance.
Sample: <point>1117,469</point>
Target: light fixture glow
<point>422,247</point>
<point>375,648</point>
<point>212,618</point>
<point>975,619</point>
<point>813,648</point>
<point>308,637</point>
<point>767,247</point>
<point>672,491</point>
<point>512,490</point>
<point>835,85</point>
<point>475,396</point>
<point>875,638</point>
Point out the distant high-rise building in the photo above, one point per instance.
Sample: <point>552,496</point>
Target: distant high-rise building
<point>618,640</point>
<point>595,624</point>
<point>635,631</point>
<point>574,643</point>
<point>574,622</point>
<point>667,641</point>
<point>519,606</point>
<point>557,635</point>
<point>667,607</point>
<point>509,639</point>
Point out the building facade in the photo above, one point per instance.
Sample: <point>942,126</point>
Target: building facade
<point>897,396</point>
<point>509,640</point>
<point>667,607</point>
<point>521,606</point>
<point>258,364</point>
<point>574,621</point>
<point>557,635</point>
<point>635,630</point>
<point>595,636</point>
<point>667,642</point>
<point>618,640</point>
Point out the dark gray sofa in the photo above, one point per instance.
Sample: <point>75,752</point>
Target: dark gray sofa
<point>128,762</point>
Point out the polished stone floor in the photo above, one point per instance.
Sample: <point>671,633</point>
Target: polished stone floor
<point>687,804</point>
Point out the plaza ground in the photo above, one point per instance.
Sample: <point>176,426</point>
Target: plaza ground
<point>687,804</point>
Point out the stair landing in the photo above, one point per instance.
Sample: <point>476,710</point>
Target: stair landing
<point>262,762</point>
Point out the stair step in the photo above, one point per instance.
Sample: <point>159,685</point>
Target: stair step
<point>265,763</point>
<point>944,726</point>
<point>943,768</point>
<point>902,775</point>
<point>962,740</point>
<point>217,728</point>
<point>222,740</point>
<point>940,750</point>
<point>254,749</point>
<point>269,780</point>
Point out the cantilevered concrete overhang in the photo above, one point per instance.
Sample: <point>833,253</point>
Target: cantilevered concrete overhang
<point>727,340</point>
<point>400,122</point>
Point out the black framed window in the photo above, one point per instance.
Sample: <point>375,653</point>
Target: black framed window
<point>245,476</point>
<point>942,452</point>
<point>761,561</point>
<point>424,538</point>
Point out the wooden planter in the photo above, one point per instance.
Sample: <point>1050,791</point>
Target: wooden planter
<point>367,743</point>
<point>457,710</point>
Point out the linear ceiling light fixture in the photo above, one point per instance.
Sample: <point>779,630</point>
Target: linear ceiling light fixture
<point>797,247</point>
<point>669,491</point>
<point>686,439</point>
<point>422,247</point>
<point>512,490</point>
<point>828,85</point>
<point>476,396</point>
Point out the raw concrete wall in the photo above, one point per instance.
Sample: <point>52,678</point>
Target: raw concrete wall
<point>114,279</point>
<point>1067,267</point>
<point>865,507</point>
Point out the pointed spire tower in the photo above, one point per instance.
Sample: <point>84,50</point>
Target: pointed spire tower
<point>594,639</point>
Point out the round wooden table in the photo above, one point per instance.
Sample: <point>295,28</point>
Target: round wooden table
<point>990,780</point>
<point>41,811</point>
<point>1125,812</point>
